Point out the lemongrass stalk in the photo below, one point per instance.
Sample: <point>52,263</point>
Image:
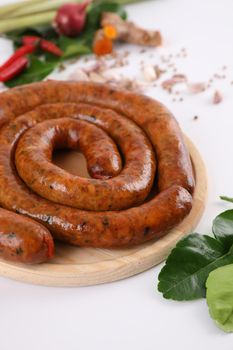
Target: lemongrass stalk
<point>9,9</point>
<point>39,7</point>
<point>125,2</point>
<point>120,2</point>
<point>41,18</point>
<point>27,21</point>
<point>31,7</point>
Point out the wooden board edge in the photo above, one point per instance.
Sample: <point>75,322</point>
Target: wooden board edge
<point>122,267</point>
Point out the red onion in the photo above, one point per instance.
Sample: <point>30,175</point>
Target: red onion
<point>70,19</point>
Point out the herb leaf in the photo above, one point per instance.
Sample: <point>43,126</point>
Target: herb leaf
<point>223,228</point>
<point>219,297</point>
<point>72,47</point>
<point>45,31</point>
<point>37,71</point>
<point>225,198</point>
<point>188,266</point>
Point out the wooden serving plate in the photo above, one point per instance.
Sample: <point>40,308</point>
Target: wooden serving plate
<point>75,266</point>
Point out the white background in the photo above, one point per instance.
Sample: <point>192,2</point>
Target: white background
<point>131,314</point>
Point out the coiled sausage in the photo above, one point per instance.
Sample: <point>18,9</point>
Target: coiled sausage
<point>125,138</point>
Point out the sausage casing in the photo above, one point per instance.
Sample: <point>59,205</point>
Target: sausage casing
<point>146,134</point>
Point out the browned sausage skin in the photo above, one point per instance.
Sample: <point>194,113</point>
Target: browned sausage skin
<point>120,115</point>
<point>161,127</point>
<point>24,240</point>
<point>131,187</point>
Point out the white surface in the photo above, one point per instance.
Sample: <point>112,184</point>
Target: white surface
<point>131,314</point>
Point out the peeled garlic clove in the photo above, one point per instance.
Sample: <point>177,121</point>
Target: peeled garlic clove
<point>149,72</point>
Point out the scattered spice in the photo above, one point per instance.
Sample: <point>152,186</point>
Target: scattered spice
<point>159,71</point>
<point>218,76</point>
<point>104,70</point>
<point>195,117</point>
<point>196,88</point>
<point>175,79</point>
<point>96,78</point>
<point>217,98</point>
<point>79,75</point>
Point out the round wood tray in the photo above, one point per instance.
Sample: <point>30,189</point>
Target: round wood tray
<point>75,266</point>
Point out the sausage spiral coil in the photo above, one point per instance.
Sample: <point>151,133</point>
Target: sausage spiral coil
<point>142,180</point>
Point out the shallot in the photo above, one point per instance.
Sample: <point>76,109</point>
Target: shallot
<point>70,19</point>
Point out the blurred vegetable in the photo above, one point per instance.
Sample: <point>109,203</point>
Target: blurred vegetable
<point>70,19</point>
<point>14,69</point>
<point>8,25</point>
<point>29,13</point>
<point>102,46</point>
<point>30,40</point>
<point>72,47</point>
<point>45,45</point>
<point>36,71</point>
<point>50,47</point>
<point>30,7</point>
<point>219,297</point>
<point>110,32</point>
<point>25,26</point>
<point>22,51</point>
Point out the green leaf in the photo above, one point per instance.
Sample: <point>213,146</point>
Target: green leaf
<point>72,47</point>
<point>188,266</point>
<point>228,199</point>
<point>45,31</point>
<point>37,71</point>
<point>219,297</point>
<point>223,228</point>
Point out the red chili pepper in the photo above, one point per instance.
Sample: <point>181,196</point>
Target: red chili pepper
<point>49,46</point>
<point>45,45</point>
<point>22,51</point>
<point>14,69</point>
<point>30,40</point>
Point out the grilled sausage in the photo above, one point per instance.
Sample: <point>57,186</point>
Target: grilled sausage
<point>114,209</point>
<point>24,240</point>
<point>131,187</point>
